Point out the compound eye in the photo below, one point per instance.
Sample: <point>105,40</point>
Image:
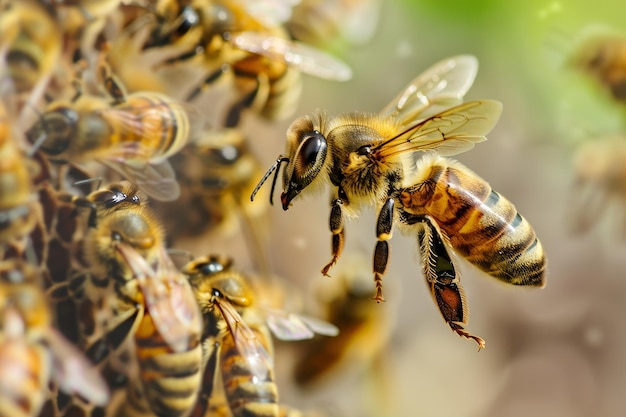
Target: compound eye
<point>58,127</point>
<point>211,267</point>
<point>310,156</point>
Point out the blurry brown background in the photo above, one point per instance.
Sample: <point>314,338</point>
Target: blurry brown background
<point>557,351</point>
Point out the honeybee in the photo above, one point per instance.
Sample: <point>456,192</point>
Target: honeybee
<point>18,200</point>
<point>217,172</point>
<point>32,352</point>
<point>30,47</point>
<point>135,135</point>
<point>237,338</point>
<point>124,247</point>
<point>371,160</point>
<point>364,328</point>
<point>246,40</point>
<point>599,184</point>
<point>326,23</point>
<point>603,57</point>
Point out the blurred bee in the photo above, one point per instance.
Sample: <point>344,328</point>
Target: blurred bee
<point>217,173</point>
<point>125,250</point>
<point>245,39</point>
<point>134,135</point>
<point>18,200</point>
<point>371,160</point>
<point>237,338</point>
<point>599,184</point>
<point>30,47</point>
<point>32,352</point>
<point>327,23</point>
<point>365,329</point>
<point>602,56</point>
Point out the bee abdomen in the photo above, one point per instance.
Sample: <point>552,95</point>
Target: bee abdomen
<point>248,395</point>
<point>498,240</point>
<point>22,396</point>
<point>482,225</point>
<point>171,380</point>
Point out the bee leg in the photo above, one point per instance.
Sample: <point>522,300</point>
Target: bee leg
<point>210,79</point>
<point>255,96</point>
<point>111,82</point>
<point>384,224</point>
<point>336,227</point>
<point>442,279</point>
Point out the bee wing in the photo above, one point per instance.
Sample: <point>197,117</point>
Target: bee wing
<point>247,343</point>
<point>270,13</point>
<point>73,372</point>
<point>152,118</point>
<point>439,87</point>
<point>169,298</point>
<point>450,132</point>
<point>157,180</point>
<point>289,326</point>
<point>305,58</point>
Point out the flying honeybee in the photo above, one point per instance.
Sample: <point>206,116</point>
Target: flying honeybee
<point>125,248</point>
<point>247,40</point>
<point>602,56</point>
<point>237,338</point>
<point>599,184</point>
<point>33,352</point>
<point>133,135</point>
<point>371,160</point>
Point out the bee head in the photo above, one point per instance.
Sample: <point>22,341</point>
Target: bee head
<point>54,131</point>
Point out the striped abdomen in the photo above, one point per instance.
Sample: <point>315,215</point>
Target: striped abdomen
<point>171,380</point>
<point>24,374</point>
<point>482,225</point>
<point>247,395</point>
<point>152,122</point>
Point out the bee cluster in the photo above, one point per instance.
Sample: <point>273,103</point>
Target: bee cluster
<point>99,113</point>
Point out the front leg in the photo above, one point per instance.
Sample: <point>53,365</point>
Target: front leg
<point>336,227</point>
<point>384,224</point>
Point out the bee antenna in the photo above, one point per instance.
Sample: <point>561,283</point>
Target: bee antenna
<point>98,181</point>
<point>275,167</point>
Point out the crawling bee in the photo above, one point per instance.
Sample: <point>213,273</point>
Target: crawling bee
<point>132,134</point>
<point>32,351</point>
<point>131,273</point>
<point>371,160</point>
<point>237,338</point>
<point>30,47</point>
<point>243,39</point>
<point>18,200</point>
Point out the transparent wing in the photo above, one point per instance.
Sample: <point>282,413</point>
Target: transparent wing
<point>289,326</point>
<point>439,87</point>
<point>157,180</point>
<point>450,132</point>
<point>73,372</point>
<point>169,298</point>
<point>271,13</point>
<point>247,343</point>
<point>305,58</point>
